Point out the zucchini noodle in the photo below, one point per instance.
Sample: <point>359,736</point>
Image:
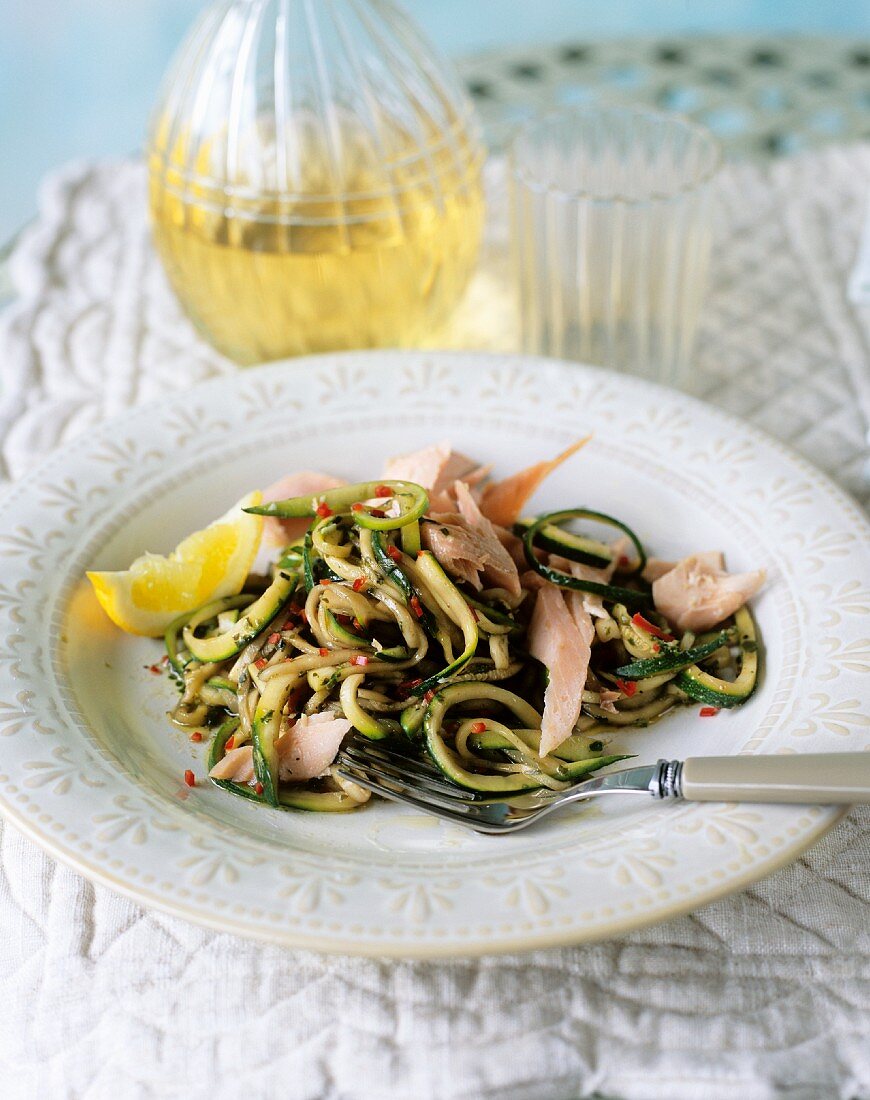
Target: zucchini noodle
<point>357,623</point>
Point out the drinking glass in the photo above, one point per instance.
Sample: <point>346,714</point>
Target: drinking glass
<point>611,228</point>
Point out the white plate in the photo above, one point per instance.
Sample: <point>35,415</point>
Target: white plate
<point>92,770</point>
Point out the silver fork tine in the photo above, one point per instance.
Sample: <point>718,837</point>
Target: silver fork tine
<point>404,774</point>
<point>452,809</point>
<point>375,752</point>
<point>365,750</point>
<point>384,773</point>
<point>380,774</point>
<point>395,776</point>
<point>382,749</point>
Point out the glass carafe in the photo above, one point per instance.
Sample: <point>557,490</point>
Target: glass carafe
<point>315,178</point>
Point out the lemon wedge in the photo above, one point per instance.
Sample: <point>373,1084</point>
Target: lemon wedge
<point>207,565</point>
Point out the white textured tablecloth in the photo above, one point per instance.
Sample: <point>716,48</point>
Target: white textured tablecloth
<point>762,995</point>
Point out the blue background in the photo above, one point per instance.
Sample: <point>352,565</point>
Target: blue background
<point>77,76</point>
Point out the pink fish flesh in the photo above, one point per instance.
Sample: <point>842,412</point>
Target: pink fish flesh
<point>560,638</point>
<point>305,751</point>
<point>697,595</point>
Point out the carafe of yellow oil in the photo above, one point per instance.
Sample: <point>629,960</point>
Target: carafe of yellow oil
<point>314,179</point>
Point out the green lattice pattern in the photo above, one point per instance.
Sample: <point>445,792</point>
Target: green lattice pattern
<point>762,96</point>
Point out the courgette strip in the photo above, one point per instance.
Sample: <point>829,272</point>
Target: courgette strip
<point>490,619</point>
<point>611,592</point>
<point>257,617</point>
<point>405,580</point>
<point>703,687</point>
<point>638,642</point>
<point>575,768</point>
<point>202,614</point>
<point>573,748</point>
<point>637,717</point>
<point>342,634</point>
<point>291,555</point>
<point>394,654</point>
<point>393,572</point>
<point>447,761</point>
<point>411,719</point>
<point>449,764</point>
<point>308,576</point>
<point>568,545</point>
<point>453,603</point>
<point>413,500</point>
<point>390,568</point>
<point>672,660</point>
<point>410,535</point>
<point>360,719</point>
<point>566,515</point>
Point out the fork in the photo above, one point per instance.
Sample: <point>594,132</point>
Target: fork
<point>832,778</point>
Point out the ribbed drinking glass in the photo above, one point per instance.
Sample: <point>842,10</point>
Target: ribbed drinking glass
<point>611,230</point>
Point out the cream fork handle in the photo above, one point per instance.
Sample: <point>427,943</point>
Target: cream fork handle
<point>827,778</point>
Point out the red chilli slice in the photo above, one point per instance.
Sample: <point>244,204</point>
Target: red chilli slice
<point>196,736</point>
<point>383,491</point>
<point>323,651</point>
<point>627,687</point>
<point>360,584</point>
<point>190,778</point>
<point>416,607</point>
<point>708,712</point>
<point>651,628</point>
<point>323,510</point>
<point>478,727</point>
<point>231,742</point>
<point>394,552</point>
<point>259,788</point>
